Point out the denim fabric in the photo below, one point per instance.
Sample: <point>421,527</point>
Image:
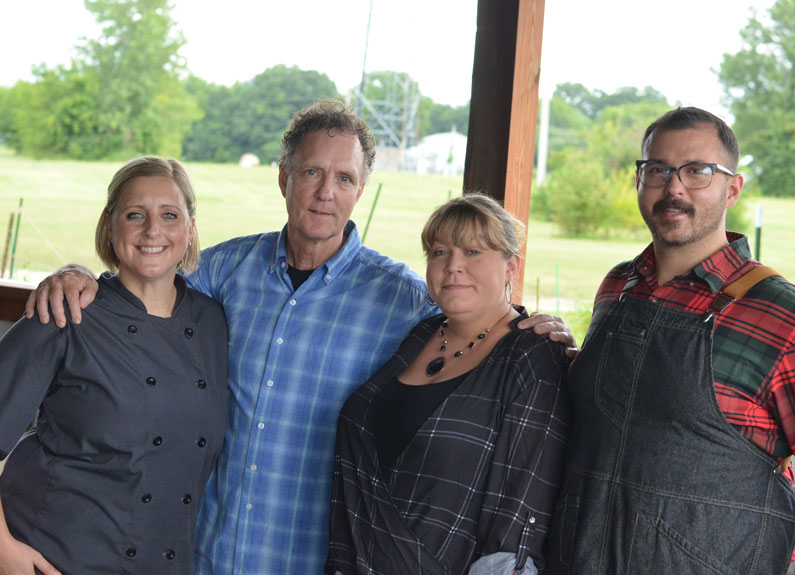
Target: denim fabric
<point>501,563</point>
<point>657,481</point>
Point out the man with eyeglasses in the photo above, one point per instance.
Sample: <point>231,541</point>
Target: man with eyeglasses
<point>684,390</point>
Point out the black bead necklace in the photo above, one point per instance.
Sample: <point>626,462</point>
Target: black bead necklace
<point>436,365</point>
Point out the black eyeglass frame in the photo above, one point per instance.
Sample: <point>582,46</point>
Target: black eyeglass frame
<point>712,166</point>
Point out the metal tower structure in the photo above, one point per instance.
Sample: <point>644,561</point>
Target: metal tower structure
<point>391,110</point>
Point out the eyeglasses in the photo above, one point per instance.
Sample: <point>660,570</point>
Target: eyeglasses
<point>693,175</point>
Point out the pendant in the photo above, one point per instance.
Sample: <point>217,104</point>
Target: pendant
<point>434,367</point>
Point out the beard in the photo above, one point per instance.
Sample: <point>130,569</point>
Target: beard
<point>698,224</point>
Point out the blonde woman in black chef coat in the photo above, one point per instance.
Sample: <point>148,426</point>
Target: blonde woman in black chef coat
<point>132,403</point>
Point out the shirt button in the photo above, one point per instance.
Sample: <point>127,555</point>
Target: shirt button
<point>151,381</point>
<point>253,468</point>
<point>328,276</point>
<point>279,341</point>
<point>188,332</point>
<point>292,302</point>
<point>270,383</point>
<point>532,519</point>
<point>146,498</point>
<point>132,329</point>
<point>284,265</point>
<point>131,552</point>
<point>157,441</point>
<point>187,499</point>
<point>249,506</point>
<point>202,442</point>
<point>170,554</point>
<point>261,425</point>
<point>201,384</point>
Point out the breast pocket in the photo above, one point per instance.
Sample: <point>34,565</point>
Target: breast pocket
<point>622,351</point>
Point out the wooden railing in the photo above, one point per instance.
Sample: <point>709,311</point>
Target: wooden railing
<point>13,296</point>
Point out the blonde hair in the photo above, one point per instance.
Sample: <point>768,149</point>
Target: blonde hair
<point>451,221</point>
<point>146,166</point>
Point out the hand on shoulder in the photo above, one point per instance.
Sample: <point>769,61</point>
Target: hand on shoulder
<point>73,283</point>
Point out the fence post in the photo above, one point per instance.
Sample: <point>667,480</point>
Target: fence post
<point>14,242</point>
<point>7,247</point>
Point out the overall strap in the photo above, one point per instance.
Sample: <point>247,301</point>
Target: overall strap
<point>735,291</point>
<point>738,289</point>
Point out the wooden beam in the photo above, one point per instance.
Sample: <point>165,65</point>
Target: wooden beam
<point>504,106</point>
<point>492,93</point>
<point>13,296</point>
<point>524,119</point>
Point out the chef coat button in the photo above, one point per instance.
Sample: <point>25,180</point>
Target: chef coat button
<point>201,384</point>
<point>146,498</point>
<point>187,499</point>
<point>151,381</point>
<point>188,332</point>
<point>202,442</point>
<point>157,441</point>
<point>132,329</point>
<point>131,552</point>
<point>170,554</point>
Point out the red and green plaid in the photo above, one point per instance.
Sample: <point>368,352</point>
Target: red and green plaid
<point>753,355</point>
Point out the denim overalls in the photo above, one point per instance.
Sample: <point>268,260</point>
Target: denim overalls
<point>657,481</point>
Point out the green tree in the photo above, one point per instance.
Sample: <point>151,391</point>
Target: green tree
<point>568,125</point>
<point>251,116</point>
<point>436,118</point>
<point>590,188</point>
<point>6,123</point>
<point>759,85</point>
<point>591,103</point>
<point>576,193</point>
<point>142,105</point>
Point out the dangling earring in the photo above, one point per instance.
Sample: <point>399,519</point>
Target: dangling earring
<point>508,291</point>
<point>429,299</point>
<point>182,259</point>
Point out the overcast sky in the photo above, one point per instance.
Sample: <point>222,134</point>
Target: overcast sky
<point>674,46</point>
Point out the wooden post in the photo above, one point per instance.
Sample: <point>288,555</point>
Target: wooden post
<point>492,92</point>
<point>524,118</point>
<point>504,106</point>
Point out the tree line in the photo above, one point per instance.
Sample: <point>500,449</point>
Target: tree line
<point>130,92</point>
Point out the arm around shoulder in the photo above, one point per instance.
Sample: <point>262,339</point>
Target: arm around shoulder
<point>74,283</point>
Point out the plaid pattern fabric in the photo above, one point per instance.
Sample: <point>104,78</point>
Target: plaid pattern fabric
<point>753,356</point>
<point>481,475</point>
<point>294,357</point>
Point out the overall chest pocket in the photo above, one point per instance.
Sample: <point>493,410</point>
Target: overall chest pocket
<point>623,346</point>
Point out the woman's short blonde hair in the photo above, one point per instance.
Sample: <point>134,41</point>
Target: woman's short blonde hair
<point>146,166</point>
<point>450,223</point>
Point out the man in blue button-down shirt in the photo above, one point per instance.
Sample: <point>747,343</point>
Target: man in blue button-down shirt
<point>311,314</point>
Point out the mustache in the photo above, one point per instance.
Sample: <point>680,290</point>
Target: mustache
<point>670,203</point>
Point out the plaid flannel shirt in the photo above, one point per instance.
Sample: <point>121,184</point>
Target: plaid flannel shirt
<point>480,476</point>
<point>753,355</point>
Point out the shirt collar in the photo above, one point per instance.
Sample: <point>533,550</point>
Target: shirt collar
<point>112,282</point>
<point>332,266</point>
<point>714,271</point>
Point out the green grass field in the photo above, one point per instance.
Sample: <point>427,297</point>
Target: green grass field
<point>63,200</point>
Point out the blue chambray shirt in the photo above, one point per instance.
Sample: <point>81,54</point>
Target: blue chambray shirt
<point>294,358</point>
